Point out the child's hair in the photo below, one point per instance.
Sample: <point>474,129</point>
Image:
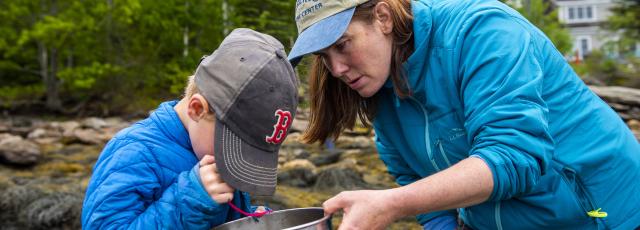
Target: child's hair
<point>191,90</point>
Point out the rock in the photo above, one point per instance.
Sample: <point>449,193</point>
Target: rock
<point>14,198</point>
<point>87,136</point>
<point>59,210</point>
<point>325,158</point>
<point>616,94</point>
<point>352,154</point>
<point>634,124</point>
<point>293,140</point>
<point>4,127</point>
<point>68,127</point>
<point>301,154</point>
<point>299,125</point>
<point>358,142</point>
<point>288,154</point>
<point>299,173</point>
<point>94,123</point>
<point>339,178</point>
<point>17,151</point>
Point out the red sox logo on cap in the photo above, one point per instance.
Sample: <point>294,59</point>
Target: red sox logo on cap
<point>281,127</point>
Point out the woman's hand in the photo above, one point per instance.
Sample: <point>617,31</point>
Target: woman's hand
<point>217,189</point>
<point>364,209</point>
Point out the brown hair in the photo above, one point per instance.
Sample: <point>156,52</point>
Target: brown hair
<point>334,106</point>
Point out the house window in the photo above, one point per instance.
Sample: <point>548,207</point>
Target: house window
<point>571,13</point>
<point>584,46</point>
<point>580,14</point>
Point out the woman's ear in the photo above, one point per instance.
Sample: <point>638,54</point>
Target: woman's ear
<point>198,107</point>
<point>382,15</point>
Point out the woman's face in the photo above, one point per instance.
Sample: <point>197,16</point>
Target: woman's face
<point>361,58</point>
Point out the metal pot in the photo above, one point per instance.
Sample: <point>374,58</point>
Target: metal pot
<point>289,219</point>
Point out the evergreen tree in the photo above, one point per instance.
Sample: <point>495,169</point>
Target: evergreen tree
<point>545,17</point>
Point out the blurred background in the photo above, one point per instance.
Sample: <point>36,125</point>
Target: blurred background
<point>74,72</point>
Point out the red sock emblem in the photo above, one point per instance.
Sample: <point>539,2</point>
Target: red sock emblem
<point>281,127</point>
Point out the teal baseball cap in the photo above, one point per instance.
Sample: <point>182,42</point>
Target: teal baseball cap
<point>320,23</point>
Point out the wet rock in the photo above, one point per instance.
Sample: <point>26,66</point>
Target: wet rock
<point>299,125</point>
<point>86,136</point>
<point>60,210</point>
<point>339,178</point>
<point>94,123</point>
<point>68,127</point>
<point>14,199</point>
<point>44,136</point>
<point>4,127</point>
<point>326,158</point>
<point>42,133</point>
<point>17,151</point>
<point>299,173</point>
<point>625,101</point>
<point>293,140</point>
<point>357,142</point>
<point>301,154</point>
<point>352,154</point>
<point>288,154</point>
<point>634,125</point>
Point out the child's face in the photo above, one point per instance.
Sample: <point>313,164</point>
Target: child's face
<point>201,126</point>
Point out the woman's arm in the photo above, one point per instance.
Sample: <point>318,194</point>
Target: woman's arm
<point>466,183</point>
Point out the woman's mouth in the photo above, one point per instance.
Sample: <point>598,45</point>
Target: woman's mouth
<point>355,83</point>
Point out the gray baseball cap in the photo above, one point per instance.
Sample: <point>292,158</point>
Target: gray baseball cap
<point>252,89</point>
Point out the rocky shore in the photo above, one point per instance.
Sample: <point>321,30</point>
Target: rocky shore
<point>45,165</point>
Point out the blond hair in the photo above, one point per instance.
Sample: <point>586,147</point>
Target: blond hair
<point>334,106</point>
<point>191,89</point>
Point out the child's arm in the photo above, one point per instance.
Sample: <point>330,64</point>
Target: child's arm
<point>126,193</point>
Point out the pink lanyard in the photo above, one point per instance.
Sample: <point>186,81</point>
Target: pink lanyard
<point>255,214</point>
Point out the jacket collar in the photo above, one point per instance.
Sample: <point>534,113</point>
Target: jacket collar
<point>167,120</point>
<point>422,24</point>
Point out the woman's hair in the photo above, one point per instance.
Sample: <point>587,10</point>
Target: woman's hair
<point>334,106</point>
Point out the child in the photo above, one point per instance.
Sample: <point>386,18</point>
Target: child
<point>185,166</point>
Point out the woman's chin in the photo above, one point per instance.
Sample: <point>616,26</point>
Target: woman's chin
<point>366,94</point>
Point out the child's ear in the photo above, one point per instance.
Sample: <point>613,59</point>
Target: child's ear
<point>197,107</point>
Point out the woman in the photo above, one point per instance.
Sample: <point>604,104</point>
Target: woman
<point>477,115</point>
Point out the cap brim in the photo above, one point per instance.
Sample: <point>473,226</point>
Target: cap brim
<point>243,166</point>
<point>320,35</point>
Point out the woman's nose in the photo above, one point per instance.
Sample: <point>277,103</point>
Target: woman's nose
<point>338,68</point>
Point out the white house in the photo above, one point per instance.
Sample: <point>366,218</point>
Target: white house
<point>583,19</point>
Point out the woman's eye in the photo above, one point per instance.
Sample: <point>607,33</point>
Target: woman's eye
<point>341,46</point>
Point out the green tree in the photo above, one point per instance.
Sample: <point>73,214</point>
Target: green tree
<point>273,17</point>
<point>40,32</point>
<point>626,19</point>
<point>110,56</point>
<point>545,17</point>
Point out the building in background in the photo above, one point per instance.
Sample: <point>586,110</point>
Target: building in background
<point>584,20</point>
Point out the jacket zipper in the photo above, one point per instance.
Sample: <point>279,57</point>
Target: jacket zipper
<point>444,155</point>
<point>426,132</point>
<point>581,193</point>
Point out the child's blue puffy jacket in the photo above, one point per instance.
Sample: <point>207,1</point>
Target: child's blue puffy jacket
<point>147,178</point>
